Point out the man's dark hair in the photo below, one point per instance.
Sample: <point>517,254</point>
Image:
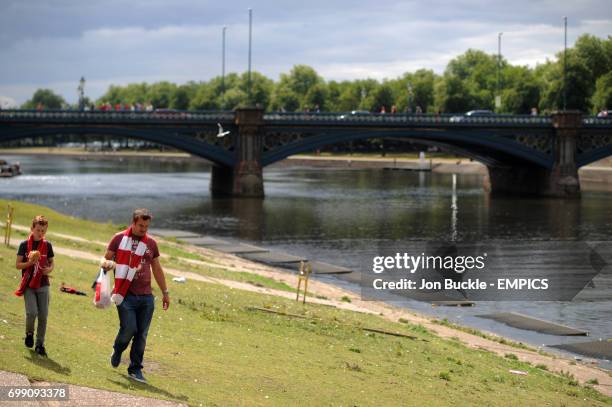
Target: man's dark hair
<point>141,213</point>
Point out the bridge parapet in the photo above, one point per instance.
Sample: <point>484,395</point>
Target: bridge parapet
<point>409,119</point>
<point>280,118</point>
<point>96,116</point>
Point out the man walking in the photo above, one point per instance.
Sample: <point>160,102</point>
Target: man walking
<point>134,255</point>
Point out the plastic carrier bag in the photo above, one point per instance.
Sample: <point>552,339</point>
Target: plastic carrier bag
<point>102,299</point>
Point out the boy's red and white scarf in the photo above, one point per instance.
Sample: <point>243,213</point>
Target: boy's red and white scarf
<point>127,260</point>
<point>32,276</point>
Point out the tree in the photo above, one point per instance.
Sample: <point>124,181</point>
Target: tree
<point>382,96</point>
<point>602,98</point>
<point>595,55</point>
<point>416,88</point>
<point>206,98</point>
<point>521,91</point>
<point>363,90</point>
<point>230,94</point>
<point>294,87</point>
<point>316,96</point>
<point>285,99</point>
<point>261,90</point>
<point>579,84</point>
<point>469,82</point>
<point>334,90</point>
<point>45,98</point>
<point>351,95</point>
<point>451,95</point>
<point>160,94</point>
<point>183,95</point>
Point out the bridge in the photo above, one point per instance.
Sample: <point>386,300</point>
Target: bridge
<point>525,155</point>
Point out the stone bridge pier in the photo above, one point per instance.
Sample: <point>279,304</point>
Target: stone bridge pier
<point>559,181</point>
<point>245,178</point>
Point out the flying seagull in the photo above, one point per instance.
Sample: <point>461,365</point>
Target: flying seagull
<point>221,132</point>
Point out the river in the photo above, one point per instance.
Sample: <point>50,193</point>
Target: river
<point>340,216</point>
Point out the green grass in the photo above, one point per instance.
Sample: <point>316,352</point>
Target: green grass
<point>213,348</point>
<point>474,331</point>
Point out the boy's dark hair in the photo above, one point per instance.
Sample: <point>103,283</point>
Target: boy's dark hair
<point>141,213</point>
<point>39,220</point>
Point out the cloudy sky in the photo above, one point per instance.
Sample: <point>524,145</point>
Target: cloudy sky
<point>52,43</point>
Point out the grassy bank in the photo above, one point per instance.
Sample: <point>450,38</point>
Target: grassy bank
<point>213,347</point>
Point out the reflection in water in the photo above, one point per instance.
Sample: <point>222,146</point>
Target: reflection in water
<point>339,216</point>
<point>249,213</point>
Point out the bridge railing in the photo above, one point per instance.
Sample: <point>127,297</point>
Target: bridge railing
<point>597,121</point>
<point>290,118</point>
<point>405,118</point>
<point>119,116</point>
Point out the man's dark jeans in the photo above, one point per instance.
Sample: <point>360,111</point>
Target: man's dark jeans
<point>135,314</point>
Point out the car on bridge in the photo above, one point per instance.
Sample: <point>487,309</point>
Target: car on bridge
<point>354,114</point>
<point>607,114</point>
<point>471,113</point>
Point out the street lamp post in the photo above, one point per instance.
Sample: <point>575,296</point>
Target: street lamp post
<point>250,43</point>
<point>223,61</point>
<point>498,96</point>
<point>81,93</point>
<point>565,64</point>
<point>364,93</point>
<point>409,108</point>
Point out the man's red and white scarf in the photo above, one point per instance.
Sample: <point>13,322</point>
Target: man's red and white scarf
<point>128,261</point>
<point>32,276</point>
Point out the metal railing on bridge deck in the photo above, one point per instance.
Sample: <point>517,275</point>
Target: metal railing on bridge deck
<point>167,115</point>
<point>409,119</point>
<point>116,116</point>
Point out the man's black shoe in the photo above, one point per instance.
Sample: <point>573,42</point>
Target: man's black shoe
<point>40,350</point>
<point>115,359</point>
<point>29,339</point>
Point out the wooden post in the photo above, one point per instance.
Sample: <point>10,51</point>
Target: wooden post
<point>8,226</point>
<point>303,275</point>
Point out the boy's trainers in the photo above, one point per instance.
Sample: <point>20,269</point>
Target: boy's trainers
<point>137,375</point>
<point>41,350</point>
<point>29,339</point>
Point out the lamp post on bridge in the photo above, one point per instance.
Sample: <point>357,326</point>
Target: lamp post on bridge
<point>565,63</point>
<point>223,61</point>
<point>498,96</point>
<point>250,43</point>
<point>409,108</point>
<point>364,93</point>
<point>81,93</point>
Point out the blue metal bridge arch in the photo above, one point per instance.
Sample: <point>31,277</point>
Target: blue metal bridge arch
<point>164,137</point>
<point>453,140</point>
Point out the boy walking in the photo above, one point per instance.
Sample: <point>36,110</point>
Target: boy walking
<point>35,260</point>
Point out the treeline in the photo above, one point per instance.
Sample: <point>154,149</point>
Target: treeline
<point>470,81</point>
